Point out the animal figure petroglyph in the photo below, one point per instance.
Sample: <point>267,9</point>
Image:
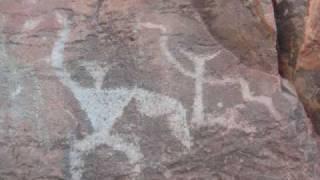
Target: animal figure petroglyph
<point>104,106</point>
<point>199,61</point>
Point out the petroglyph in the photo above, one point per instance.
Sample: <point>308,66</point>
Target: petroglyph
<point>246,93</point>
<point>199,61</point>
<point>3,51</point>
<point>31,24</point>
<point>266,101</point>
<point>97,71</point>
<point>17,91</point>
<point>228,120</point>
<point>164,47</point>
<point>21,87</point>
<point>105,106</point>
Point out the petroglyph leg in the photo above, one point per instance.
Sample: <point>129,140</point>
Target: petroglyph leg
<point>91,142</point>
<point>57,53</point>
<point>153,105</point>
<point>266,101</point>
<point>76,164</point>
<point>198,109</point>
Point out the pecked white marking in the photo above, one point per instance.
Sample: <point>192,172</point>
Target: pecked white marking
<point>105,106</point>
<point>199,61</point>
<point>247,94</point>
<point>265,100</point>
<point>164,47</point>
<point>17,91</point>
<point>102,108</point>
<point>31,24</point>
<point>228,120</point>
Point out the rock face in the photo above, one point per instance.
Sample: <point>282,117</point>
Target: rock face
<point>299,27</point>
<point>147,89</point>
<point>290,26</point>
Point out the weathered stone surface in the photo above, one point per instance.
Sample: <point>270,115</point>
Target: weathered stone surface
<point>299,27</point>
<point>242,20</point>
<point>147,89</point>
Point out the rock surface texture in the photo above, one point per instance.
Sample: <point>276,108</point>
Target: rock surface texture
<point>147,90</point>
<point>299,50</point>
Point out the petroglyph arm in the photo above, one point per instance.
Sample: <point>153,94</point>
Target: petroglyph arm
<point>198,57</point>
<point>164,47</point>
<point>153,105</point>
<point>224,81</point>
<point>57,53</point>
<point>266,101</point>
<point>150,25</point>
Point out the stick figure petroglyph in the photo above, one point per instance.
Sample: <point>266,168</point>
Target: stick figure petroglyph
<point>199,61</point>
<point>104,106</point>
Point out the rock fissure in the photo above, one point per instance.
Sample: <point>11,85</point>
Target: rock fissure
<point>298,45</point>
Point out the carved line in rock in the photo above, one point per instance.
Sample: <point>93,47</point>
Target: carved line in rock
<point>3,58</point>
<point>228,120</point>
<point>199,61</point>
<point>17,87</point>
<point>104,106</point>
<point>247,94</point>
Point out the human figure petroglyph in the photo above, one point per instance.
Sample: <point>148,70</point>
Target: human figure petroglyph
<point>104,106</point>
<point>199,61</point>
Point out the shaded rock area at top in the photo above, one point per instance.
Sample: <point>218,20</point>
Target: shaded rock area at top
<point>147,89</point>
<point>299,28</point>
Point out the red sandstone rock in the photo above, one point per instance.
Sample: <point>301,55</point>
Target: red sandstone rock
<point>140,89</point>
